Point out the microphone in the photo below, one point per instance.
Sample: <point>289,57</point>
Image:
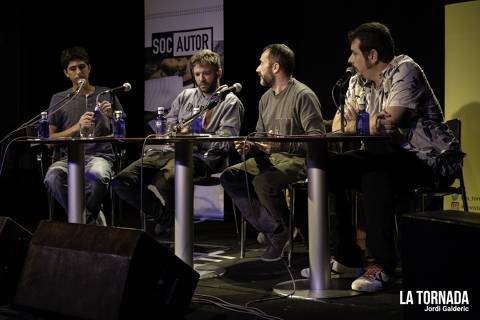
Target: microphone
<point>124,87</point>
<point>346,76</point>
<point>219,95</point>
<point>224,90</point>
<point>80,84</point>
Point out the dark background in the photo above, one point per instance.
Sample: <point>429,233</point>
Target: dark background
<point>33,35</point>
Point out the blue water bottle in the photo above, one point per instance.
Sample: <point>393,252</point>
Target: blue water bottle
<point>118,124</point>
<point>197,122</point>
<point>160,123</point>
<point>43,131</point>
<point>363,120</point>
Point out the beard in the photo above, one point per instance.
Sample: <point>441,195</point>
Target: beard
<point>266,80</point>
<point>208,88</point>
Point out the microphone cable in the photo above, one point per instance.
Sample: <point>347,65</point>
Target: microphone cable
<point>62,103</point>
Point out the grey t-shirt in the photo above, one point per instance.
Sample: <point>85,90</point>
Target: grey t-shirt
<point>67,114</point>
<point>224,119</point>
<point>298,102</point>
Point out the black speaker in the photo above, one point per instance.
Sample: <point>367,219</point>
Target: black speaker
<point>440,264</point>
<point>93,272</point>
<point>14,241</point>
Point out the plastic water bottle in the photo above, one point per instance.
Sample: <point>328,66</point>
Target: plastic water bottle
<point>96,114</point>
<point>197,122</point>
<point>160,123</point>
<point>363,120</point>
<point>43,131</point>
<point>118,124</point>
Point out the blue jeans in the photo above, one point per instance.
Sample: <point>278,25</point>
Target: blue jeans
<point>98,172</point>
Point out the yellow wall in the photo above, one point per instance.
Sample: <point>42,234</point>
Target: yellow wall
<point>462,90</point>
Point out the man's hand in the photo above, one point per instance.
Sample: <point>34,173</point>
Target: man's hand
<point>106,108</point>
<point>242,147</point>
<point>86,118</point>
<point>350,114</point>
<point>351,118</point>
<point>269,147</point>
<point>382,123</point>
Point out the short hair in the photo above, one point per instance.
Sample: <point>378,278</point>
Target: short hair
<point>73,53</point>
<point>283,55</point>
<point>206,57</point>
<point>374,35</point>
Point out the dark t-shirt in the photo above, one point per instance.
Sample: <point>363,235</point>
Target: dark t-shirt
<point>69,112</point>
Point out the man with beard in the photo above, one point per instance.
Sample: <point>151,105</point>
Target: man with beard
<point>272,166</point>
<point>159,161</point>
<point>421,152</point>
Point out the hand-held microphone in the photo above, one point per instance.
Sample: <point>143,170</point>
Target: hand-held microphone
<point>346,76</point>
<point>224,90</point>
<point>124,87</point>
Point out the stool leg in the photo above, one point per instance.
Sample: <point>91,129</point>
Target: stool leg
<point>234,211</point>
<point>243,230</point>
<point>112,204</point>
<point>291,224</point>
<point>51,206</point>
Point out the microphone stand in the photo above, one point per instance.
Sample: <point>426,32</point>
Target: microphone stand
<point>342,110</point>
<point>34,119</point>
<point>214,101</point>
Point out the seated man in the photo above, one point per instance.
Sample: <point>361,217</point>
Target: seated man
<point>421,152</point>
<point>159,163</point>
<point>272,166</point>
<point>66,122</point>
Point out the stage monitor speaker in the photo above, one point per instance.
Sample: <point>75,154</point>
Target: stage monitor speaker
<point>93,272</point>
<point>440,256</point>
<point>14,241</point>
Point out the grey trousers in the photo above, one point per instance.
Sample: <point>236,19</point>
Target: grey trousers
<point>259,193</point>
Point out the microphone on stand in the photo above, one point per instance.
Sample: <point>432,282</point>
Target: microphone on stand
<point>81,83</point>
<point>346,76</point>
<point>52,109</point>
<point>339,84</point>
<point>224,90</point>
<point>217,97</point>
<point>124,87</point>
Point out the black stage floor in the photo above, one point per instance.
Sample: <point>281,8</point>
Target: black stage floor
<point>249,282</point>
<point>244,291</point>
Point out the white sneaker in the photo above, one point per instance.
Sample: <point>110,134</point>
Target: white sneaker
<point>101,220</point>
<point>373,280</point>
<point>262,238</point>
<point>337,271</point>
<point>157,194</point>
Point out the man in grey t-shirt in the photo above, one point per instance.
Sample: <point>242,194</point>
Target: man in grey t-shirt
<point>159,163</point>
<point>66,122</point>
<point>272,166</point>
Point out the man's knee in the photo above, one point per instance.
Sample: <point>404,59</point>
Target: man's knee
<point>226,177</point>
<point>121,184</point>
<point>265,184</point>
<point>54,178</point>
